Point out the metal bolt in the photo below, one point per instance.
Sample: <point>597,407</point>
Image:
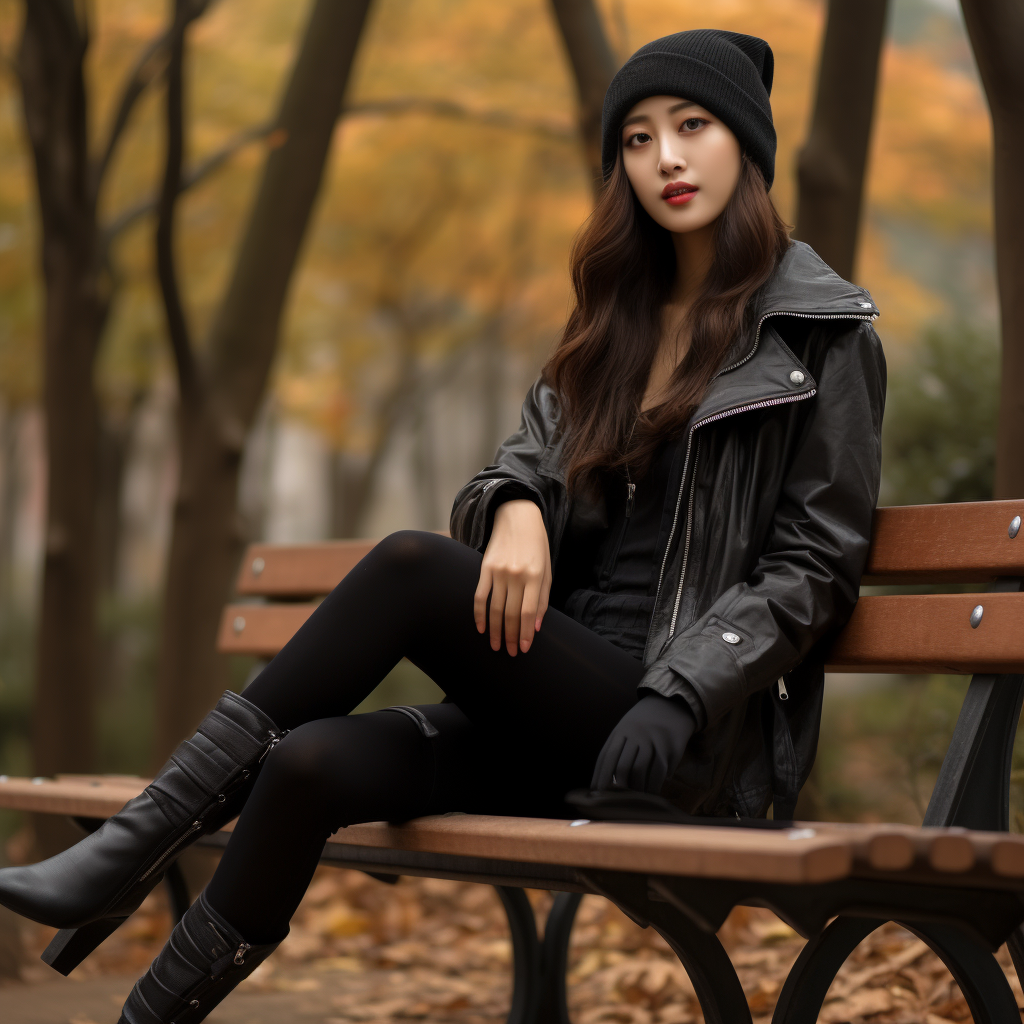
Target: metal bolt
<point>730,638</point>
<point>796,377</point>
<point>258,565</point>
<point>976,616</point>
<point>1014,527</point>
<point>238,625</point>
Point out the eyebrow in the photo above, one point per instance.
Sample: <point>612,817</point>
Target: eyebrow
<point>637,118</point>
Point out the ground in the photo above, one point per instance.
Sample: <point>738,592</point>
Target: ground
<point>363,952</point>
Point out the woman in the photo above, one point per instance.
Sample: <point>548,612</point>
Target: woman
<point>690,490</point>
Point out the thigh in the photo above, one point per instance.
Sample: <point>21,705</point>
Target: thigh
<point>485,769</point>
<point>560,699</point>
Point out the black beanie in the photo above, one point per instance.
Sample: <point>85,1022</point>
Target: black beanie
<point>728,73</point>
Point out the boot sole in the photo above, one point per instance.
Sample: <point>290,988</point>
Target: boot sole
<point>70,946</point>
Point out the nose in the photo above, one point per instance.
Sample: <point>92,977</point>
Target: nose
<point>670,155</point>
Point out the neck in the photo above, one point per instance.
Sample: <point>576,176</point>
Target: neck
<point>694,252</point>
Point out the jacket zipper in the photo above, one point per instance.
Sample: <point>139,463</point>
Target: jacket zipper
<point>712,419</point>
<point>610,565</point>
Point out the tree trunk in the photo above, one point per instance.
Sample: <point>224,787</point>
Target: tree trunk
<point>831,164</point>
<point>996,30</point>
<point>216,414</point>
<point>593,65</point>
<point>50,60</point>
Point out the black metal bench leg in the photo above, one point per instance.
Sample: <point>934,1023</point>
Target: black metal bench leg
<point>526,960</point>
<point>711,972</point>
<point>554,1007</point>
<point>177,891</point>
<point>974,968</point>
<point>816,968</point>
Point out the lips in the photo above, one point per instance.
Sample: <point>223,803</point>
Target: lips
<point>678,192</point>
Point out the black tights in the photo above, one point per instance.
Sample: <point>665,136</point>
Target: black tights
<point>518,734</point>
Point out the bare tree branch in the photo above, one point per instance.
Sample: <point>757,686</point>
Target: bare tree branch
<point>177,326</point>
<point>448,108</point>
<point>399,105</point>
<point>148,66</point>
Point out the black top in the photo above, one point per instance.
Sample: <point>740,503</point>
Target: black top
<point>616,596</point>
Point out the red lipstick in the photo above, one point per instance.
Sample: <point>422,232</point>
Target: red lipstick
<point>678,192</point>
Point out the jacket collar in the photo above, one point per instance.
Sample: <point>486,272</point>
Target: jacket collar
<point>759,366</point>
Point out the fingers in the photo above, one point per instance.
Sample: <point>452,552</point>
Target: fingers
<point>483,588</point>
<point>498,595</point>
<point>513,613</point>
<point>606,762</point>
<point>528,619</point>
<point>542,602</point>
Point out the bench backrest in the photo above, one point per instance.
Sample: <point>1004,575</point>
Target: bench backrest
<point>971,542</point>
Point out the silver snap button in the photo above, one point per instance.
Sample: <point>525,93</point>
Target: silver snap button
<point>1014,527</point>
<point>238,624</point>
<point>976,616</point>
<point>796,377</point>
<point>730,638</point>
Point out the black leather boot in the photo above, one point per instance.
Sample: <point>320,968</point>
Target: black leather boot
<point>204,959</point>
<point>88,890</point>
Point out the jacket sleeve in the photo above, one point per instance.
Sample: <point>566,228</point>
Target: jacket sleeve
<point>806,581</point>
<point>514,473</point>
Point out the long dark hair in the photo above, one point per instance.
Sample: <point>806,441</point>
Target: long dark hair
<point>623,267</point>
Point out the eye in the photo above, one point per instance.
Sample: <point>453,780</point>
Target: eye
<point>699,121</point>
<point>639,138</point>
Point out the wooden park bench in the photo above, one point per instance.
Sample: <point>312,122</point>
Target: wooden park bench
<point>957,882</point>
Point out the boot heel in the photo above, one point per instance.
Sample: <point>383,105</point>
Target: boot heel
<point>70,946</point>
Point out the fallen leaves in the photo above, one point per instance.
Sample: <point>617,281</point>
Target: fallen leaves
<point>439,951</point>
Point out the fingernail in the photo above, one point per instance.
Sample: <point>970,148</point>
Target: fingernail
<point>525,646</point>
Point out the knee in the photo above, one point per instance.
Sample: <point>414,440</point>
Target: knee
<point>407,552</point>
<point>300,763</point>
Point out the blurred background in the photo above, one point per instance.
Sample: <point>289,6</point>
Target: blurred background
<point>347,349</point>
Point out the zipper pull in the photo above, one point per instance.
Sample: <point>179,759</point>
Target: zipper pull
<point>783,692</point>
<point>240,953</point>
<point>277,737</point>
<point>630,492</point>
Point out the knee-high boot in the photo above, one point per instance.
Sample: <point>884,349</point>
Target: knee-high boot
<point>89,889</point>
<point>203,960</point>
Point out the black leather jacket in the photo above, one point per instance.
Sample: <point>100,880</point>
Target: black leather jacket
<point>763,539</point>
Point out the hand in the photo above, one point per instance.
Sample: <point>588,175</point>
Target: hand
<point>516,572</point>
<point>645,748</point>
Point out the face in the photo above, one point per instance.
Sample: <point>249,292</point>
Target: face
<point>681,160</point>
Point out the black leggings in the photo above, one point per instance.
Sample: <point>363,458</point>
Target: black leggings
<point>518,734</point>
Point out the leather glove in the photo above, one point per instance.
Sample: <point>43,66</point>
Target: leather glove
<point>645,748</point>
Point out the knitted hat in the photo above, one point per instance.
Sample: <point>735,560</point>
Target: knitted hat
<point>728,73</point>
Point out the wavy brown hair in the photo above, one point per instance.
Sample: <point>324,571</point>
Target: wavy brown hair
<point>623,268</point>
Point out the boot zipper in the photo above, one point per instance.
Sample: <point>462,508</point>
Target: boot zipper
<point>240,953</point>
<point>194,827</point>
<point>711,419</point>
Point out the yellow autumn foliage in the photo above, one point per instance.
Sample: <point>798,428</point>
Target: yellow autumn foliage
<point>435,228</point>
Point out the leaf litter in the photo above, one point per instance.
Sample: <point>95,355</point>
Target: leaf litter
<point>428,949</point>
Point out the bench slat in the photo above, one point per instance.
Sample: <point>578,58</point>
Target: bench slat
<point>821,851</point>
<point>932,633</point>
<point>298,570</point>
<point>260,629</point>
<point>899,633</point>
<point>964,542</point>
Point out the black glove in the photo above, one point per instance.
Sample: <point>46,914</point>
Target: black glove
<point>645,748</point>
